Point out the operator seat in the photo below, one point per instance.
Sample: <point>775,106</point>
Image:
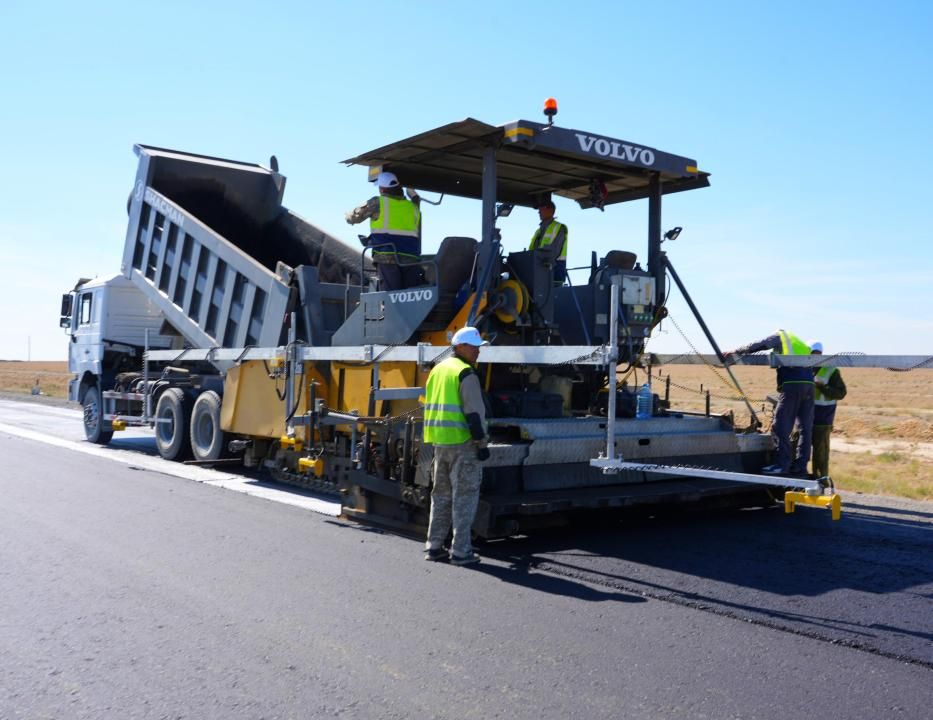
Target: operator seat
<point>449,269</point>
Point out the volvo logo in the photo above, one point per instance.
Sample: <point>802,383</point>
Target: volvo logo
<point>615,149</point>
<point>412,296</point>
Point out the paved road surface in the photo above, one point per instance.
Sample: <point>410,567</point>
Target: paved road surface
<point>131,593</point>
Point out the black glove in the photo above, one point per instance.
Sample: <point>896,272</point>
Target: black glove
<point>477,431</point>
<point>482,454</point>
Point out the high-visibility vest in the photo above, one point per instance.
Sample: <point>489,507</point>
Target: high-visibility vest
<point>444,421</point>
<point>824,373</point>
<point>540,240</point>
<point>793,345</point>
<point>825,410</point>
<point>396,225</point>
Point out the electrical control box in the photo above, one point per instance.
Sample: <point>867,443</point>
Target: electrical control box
<point>637,290</point>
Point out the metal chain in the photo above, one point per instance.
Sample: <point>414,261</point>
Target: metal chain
<point>712,368</point>
<point>732,398</point>
<point>923,363</point>
<point>600,351</point>
<point>389,419</point>
<point>821,361</point>
<point>404,415</point>
<point>726,398</point>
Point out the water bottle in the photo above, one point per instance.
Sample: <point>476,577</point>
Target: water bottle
<point>644,402</point>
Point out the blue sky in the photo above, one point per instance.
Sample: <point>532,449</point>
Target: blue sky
<point>813,117</point>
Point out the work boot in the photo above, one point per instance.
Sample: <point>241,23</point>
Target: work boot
<point>470,559</point>
<point>436,555</point>
<point>772,470</point>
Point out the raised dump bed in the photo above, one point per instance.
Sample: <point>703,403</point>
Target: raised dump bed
<point>209,242</point>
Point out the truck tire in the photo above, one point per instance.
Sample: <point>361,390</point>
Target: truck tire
<point>208,440</point>
<point>172,437</point>
<point>96,430</point>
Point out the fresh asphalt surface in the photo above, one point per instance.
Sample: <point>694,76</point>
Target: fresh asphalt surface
<point>135,588</point>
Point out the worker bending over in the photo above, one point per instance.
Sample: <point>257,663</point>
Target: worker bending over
<point>795,402</point>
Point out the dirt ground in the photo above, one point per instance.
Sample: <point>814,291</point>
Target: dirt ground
<point>21,377</point>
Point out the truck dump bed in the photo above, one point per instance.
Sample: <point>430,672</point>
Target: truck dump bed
<point>205,240</point>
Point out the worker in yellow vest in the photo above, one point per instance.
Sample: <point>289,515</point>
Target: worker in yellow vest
<point>455,424</point>
<point>828,388</point>
<point>394,232</point>
<point>795,403</point>
<point>550,232</point>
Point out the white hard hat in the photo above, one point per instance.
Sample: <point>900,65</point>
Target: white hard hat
<point>386,180</point>
<point>815,346</point>
<point>468,336</point>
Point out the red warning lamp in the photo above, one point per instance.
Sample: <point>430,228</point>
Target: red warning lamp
<point>550,109</point>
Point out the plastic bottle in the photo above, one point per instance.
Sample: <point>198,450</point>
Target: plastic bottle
<point>644,402</point>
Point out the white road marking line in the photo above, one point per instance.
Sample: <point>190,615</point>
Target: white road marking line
<point>234,482</point>
<point>39,410</point>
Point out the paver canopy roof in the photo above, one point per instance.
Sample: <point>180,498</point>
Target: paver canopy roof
<point>532,160</point>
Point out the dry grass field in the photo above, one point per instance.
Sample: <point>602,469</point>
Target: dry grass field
<point>885,423</point>
<point>20,377</point>
<point>882,442</point>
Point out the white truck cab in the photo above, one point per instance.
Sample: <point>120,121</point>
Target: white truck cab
<point>107,319</point>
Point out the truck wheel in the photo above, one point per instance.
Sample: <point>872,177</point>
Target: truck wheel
<point>172,437</point>
<point>96,430</point>
<point>208,441</point>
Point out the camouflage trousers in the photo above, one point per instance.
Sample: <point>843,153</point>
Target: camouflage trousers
<point>820,458</point>
<point>454,497</point>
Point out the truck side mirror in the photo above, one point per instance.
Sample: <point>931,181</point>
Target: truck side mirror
<point>67,302</point>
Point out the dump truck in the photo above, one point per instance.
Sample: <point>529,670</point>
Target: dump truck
<point>242,333</point>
